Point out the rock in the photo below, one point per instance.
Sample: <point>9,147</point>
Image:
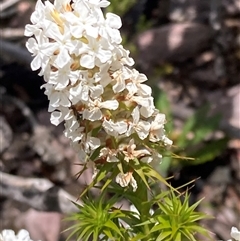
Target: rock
<point>189,10</point>
<point>207,75</point>
<point>6,134</point>
<point>172,43</point>
<point>232,7</point>
<point>227,103</point>
<point>223,102</point>
<point>200,10</point>
<point>44,226</point>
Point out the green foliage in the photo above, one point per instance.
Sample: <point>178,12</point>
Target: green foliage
<point>176,220</point>
<point>120,7</point>
<point>95,218</point>
<point>172,219</point>
<point>191,140</point>
<point>143,24</point>
<point>143,173</point>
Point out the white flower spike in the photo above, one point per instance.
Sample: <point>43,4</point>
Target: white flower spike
<point>235,234</point>
<point>9,235</point>
<point>108,111</point>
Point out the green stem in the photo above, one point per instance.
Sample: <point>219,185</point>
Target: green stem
<point>144,210</point>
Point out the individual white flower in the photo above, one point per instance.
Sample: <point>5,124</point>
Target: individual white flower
<point>86,147</point>
<point>103,76</point>
<point>109,154</point>
<point>136,86</point>
<point>83,91</point>
<point>119,77</point>
<point>60,78</point>
<point>124,179</point>
<point>83,23</point>
<point>147,106</point>
<point>41,49</point>
<point>113,21</point>
<point>139,126</point>
<point>64,45</point>
<point>157,128</point>
<point>130,153</point>
<point>155,157</point>
<point>167,141</point>
<point>121,57</point>
<point>79,92</point>
<point>94,51</point>
<point>93,111</point>
<point>91,143</point>
<point>38,15</point>
<point>60,114</point>
<point>56,98</point>
<point>74,132</point>
<point>235,234</point>
<point>114,128</point>
<point>9,235</point>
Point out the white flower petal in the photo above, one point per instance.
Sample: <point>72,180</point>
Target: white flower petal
<point>142,129</point>
<point>125,179</point>
<point>92,31</point>
<point>9,235</point>
<point>122,180</point>
<point>77,31</point>
<point>235,233</point>
<point>110,104</point>
<point>92,115</point>
<point>36,63</point>
<point>92,143</point>
<point>63,58</point>
<point>87,61</point>
<point>113,20</point>
<point>114,129</point>
<point>56,118</point>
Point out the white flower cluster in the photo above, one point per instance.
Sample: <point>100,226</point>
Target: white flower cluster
<point>108,112</point>
<point>9,235</point>
<point>235,234</point>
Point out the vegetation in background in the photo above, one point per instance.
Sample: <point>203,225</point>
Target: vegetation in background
<point>192,140</point>
<point>120,7</point>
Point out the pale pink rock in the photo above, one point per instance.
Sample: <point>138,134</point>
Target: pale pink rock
<point>173,42</point>
<point>44,226</point>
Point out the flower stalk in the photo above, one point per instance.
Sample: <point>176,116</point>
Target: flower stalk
<point>108,111</point>
<point>110,118</point>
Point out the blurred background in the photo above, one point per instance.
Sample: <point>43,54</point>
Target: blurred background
<point>190,51</point>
